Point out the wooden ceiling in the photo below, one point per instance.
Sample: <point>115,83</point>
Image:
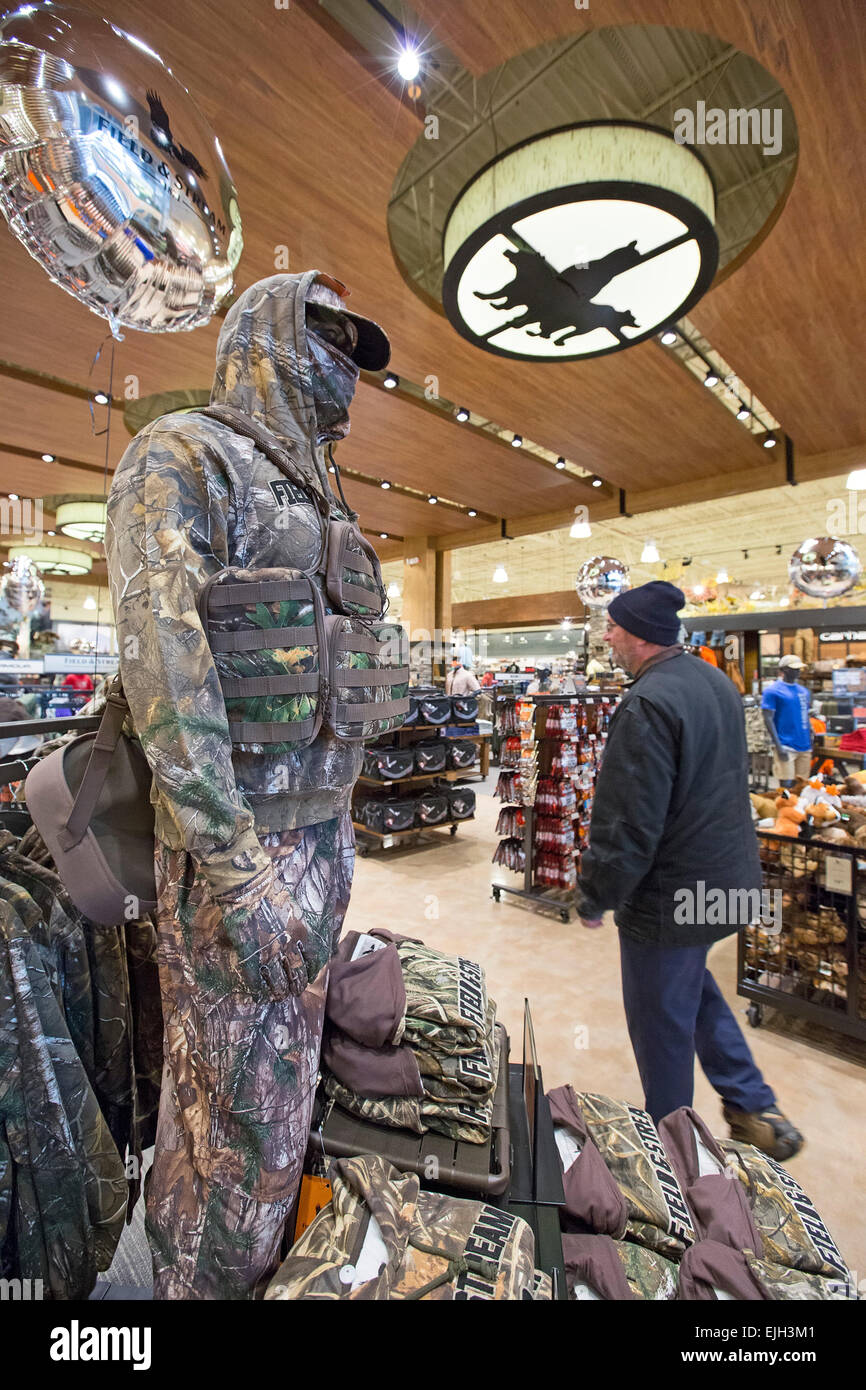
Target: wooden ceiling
<point>314,141</point>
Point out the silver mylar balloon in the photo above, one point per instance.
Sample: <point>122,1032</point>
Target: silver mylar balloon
<point>22,590</point>
<point>824,567</point>
<point>109,174</point>
<point>601,579</point>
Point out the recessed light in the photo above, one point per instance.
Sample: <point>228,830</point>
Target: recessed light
<point>462,413</point>
<point>669,337</point>
<point>770,441</point>
<point>383,535</point>
<point>385,484</point>
<point>13,496</point>
<point>52,533</point>
<point>743,413</point>
<point>560,463</point>
<point>101,398</point>
<point>711,378</point>
<point>516,441</point>
<point>432,501</point>
<point>390,381</point>
<point>472,512</point>
<point>47,458</point>
<point>596,480</point>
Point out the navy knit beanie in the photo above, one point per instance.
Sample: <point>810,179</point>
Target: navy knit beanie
<point>650,611</point>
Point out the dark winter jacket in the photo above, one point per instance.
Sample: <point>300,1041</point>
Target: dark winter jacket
<point>672,847</point>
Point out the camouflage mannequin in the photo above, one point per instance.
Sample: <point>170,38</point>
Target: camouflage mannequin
<point>255,848</point>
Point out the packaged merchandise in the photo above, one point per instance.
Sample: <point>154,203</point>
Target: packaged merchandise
<point>430,756</point>
<point>462,754</point>
<point>461,802</point>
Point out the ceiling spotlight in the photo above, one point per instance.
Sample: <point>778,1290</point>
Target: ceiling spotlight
<point>669,337</point>
<point>331,468</point>
<point>649,555</point>
<point>745,554</point>
<point>384,484</point>
<point>47,458</point>
<point>596,480</point>
<point>783,602</point>
<point>770,441</point>
<point>857,479</point>
<point>711,378</point>
<point>383,535</point>
<point>516,441</point>
<point>472,512</point>
<point>507,637</point>
<point>101,398</point>
<point>500,575</point>
<point>698,590</point>
<point>548,636</point>
<point>390,381</point>
<point>52,533</point>
<point>778,550</point>
<point>580,531</point>
<point>743,413</point>
<point>723,577</point>
<point>560,463</point>
<point>409,64</point>
<point>566,623</point>
<point>462,413</point>
<point>687,559</point>
<point>756,594</point>
<point>432,501</point>
<point>13,496</point>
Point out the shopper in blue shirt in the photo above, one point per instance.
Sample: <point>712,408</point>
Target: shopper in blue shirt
<point>786,714</point>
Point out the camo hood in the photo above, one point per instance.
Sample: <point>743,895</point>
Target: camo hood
<point>270,367</point>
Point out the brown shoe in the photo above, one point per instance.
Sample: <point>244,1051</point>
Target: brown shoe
<point>769,1130</point>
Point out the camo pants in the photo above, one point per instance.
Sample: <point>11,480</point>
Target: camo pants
<point>239,1075</point>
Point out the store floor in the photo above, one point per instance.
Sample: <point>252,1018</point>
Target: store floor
<point>571,978</point>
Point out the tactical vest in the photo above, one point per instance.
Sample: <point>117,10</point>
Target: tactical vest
<point>295,649</point>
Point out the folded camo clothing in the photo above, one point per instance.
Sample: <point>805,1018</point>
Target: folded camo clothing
<point>597,1267</point>
<point>593,1201</point>
<point>711,1270</point>
<point>463,1120</point>
<point>629,1143</point>
<point>719,1207</point>
<point>464,1075</point>
<point>382,1237</point>
<point>791,1229</point>
<point>446,999</point>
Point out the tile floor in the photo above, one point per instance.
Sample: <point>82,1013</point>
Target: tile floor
<point>571,977</point>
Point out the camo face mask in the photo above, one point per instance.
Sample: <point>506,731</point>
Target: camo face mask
<point>331,337</point>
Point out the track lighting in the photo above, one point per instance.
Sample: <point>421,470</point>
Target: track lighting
<point>649,555</point>
<point>462,413</point>
<point>743,413</point>
<point>711,378</point>
<point>383,535</point>
<point>770,441</point>
<point>596,480</point>
<point>722,577</point>
<point>432,501</point>
<point>101,398</point>
<point>516,441</point>
<point>47,458</point>
<point>560,463</point>
<point>384,485</point>
<point>669,337</point>
<point>13,496</point>
<point>580,531</point>
<point>472,512</point>
<point>390,381</point>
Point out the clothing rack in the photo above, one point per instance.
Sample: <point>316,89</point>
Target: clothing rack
<point>63,724</point>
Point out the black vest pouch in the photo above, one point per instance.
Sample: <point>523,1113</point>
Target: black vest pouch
<point>266,630</point>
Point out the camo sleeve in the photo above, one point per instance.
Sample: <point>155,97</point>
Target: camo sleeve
<point>166,535</point>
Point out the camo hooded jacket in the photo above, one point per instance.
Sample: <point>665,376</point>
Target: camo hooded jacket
<point>383,1237</point>
<point>189,498</point>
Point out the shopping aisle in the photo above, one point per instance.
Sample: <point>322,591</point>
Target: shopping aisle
<point>571,977</point>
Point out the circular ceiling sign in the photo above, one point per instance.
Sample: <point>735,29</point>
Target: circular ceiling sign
<point>580,242</point>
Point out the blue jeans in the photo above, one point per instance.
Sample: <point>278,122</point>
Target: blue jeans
<point>674,1008</point>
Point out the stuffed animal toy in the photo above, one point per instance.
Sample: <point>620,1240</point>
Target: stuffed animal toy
<point>764,805</point>
<point>789,815</point>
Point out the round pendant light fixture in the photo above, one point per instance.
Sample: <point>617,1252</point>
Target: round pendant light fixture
<point>84,521</point>
<point>580,242</point>
<point>50,559</point>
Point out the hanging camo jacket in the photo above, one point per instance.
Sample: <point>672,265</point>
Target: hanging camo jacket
<point>383,1237</point>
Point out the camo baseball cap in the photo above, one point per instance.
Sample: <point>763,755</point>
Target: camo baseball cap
<point>373,349</point>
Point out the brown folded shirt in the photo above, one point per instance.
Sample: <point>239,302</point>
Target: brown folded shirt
<point>718,1202</point>
<point>371,1071</point>
<point>593,1199</point>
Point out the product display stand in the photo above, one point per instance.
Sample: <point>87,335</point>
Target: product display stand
<point>568,735</point>
<point>405,737</point>
<point>815,966</point>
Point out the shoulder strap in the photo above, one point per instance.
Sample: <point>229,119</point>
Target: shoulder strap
<point>107,738</point>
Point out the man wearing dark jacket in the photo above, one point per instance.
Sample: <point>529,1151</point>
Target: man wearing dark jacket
<point>673,852</point>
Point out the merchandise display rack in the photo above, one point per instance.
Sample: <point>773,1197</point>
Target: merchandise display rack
<point>814,967</point>
<point>403,737</point>
<point>568,757</point>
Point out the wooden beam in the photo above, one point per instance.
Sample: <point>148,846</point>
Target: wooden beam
<point>534,609</point>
